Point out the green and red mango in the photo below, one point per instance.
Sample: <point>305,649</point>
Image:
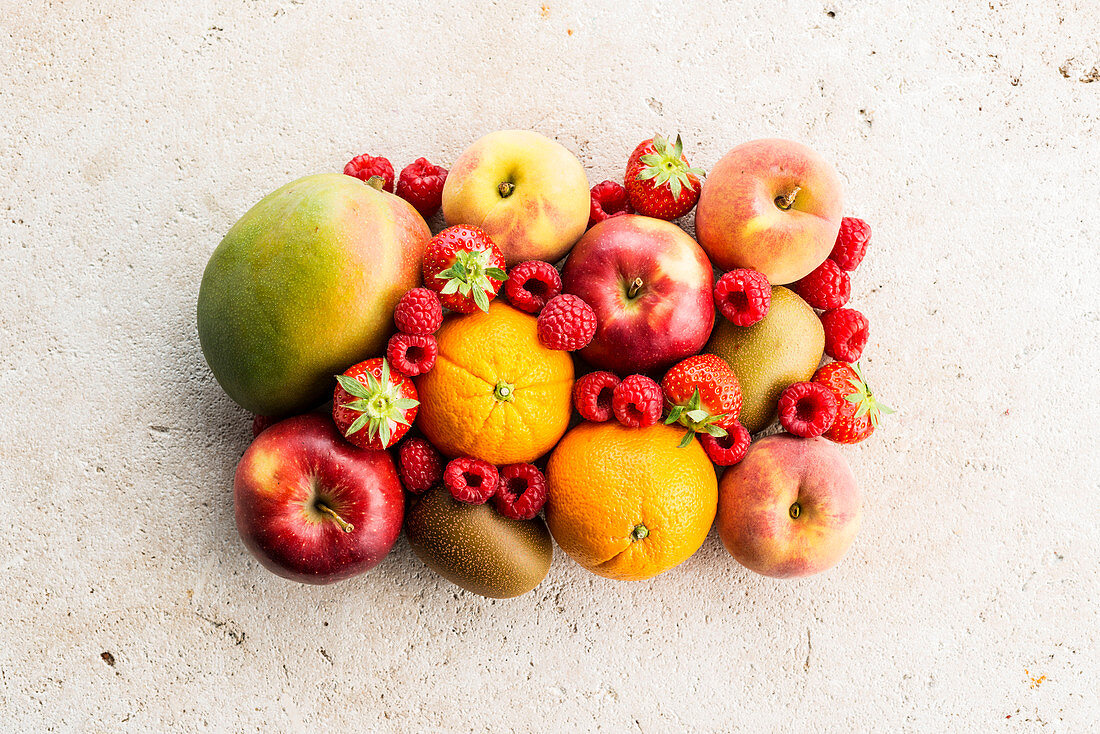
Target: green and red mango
<point>304,286</point>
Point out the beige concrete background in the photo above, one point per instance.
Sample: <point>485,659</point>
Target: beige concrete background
<point>132,135</point>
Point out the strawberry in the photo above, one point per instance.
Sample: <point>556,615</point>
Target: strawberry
<point>464,267</point>
<point>858,411</point>
<point>659,181</point>
<point>704,394</point>
<point>372,406</point>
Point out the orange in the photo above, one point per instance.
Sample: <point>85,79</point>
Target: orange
<point>495,392</point>
<point>627,503</point>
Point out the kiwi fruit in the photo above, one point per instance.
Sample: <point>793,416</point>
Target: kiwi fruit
<point>782,348</point>
<point>477,548</point>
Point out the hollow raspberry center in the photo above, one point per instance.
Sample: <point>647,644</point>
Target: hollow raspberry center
<point>724,442</point>
<point>603,400</point>
<point>473,480</point>
<point>414,353</point>
<point>805,410</point>
<point>536,288</point>
<point>738,300</point>
<point>633,413</point>
<point>517,486</point>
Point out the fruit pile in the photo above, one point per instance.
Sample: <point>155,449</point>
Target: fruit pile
<point>557,363</point>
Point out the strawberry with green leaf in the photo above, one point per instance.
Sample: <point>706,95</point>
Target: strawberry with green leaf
<point>659,182</point>
<point>858,412</point>
<point>704,395</point>
<point>372,406</point>
<point>465,267</point>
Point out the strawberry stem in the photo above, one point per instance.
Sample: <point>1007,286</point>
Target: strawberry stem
<point>667,167</point>
<point>379,403</point>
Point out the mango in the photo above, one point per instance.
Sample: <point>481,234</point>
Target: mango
<point>303,287</point>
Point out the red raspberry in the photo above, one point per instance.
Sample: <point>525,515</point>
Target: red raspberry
<point>592,396</point>
<point>566,323</point>
<point>522,491</point>
<point>743,296</point>
<point>470,480</point>
<point>412,354</point>
<point>364,166</point>
<point>420,465</point>
<point>825,288</point>
<point>637,401</point>
<point>608,200</point>
<point>531,284</point>
<point>421,184</point>
<point>729,449</point>
<point>851,243</point>
<point>261,423</point>
<point>418,312</point>
<point>845,334</point>
<point>807,409</point>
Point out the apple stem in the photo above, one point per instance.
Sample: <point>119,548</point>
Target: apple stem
<point>796,510</point>
<point>376,182</point>
<point>635,286</point>
<point>505,189</point>
<point>346,526</point>
<point>786,201</point>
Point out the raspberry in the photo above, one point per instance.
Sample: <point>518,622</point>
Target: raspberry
<point>726,450</point>
<point>743,296</point>
<point>592,396</point>
<point>418,312</point>
<point>531,284</point>
<point>608,200</point>
<point>845,334</point>
<point>637,401</point>
<point>421,184</point>
<point>522,491</point>
<point>851,243</point>
<point>364,166</point>
<point>412,354</point>
<point>261,423</point>
<point>420,465</point>
<point>807,409</point>
<point>825,288</point>
<point>566,323</point>
<point>470,480</point>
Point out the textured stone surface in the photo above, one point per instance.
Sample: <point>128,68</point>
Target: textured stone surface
<point>133,135</point>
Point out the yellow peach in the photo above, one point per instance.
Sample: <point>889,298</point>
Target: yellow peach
<point>529,193</point>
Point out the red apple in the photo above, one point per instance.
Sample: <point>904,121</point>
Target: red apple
<point>650,285</point>
<point>790,508</point>
<point>312,507</point>
<point>771,205</point>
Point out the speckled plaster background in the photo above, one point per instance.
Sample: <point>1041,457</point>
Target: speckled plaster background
<point>133,134</point>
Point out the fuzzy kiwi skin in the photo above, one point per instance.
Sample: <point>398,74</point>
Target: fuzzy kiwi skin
<point>477,548</point>
<point>783,348</point>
